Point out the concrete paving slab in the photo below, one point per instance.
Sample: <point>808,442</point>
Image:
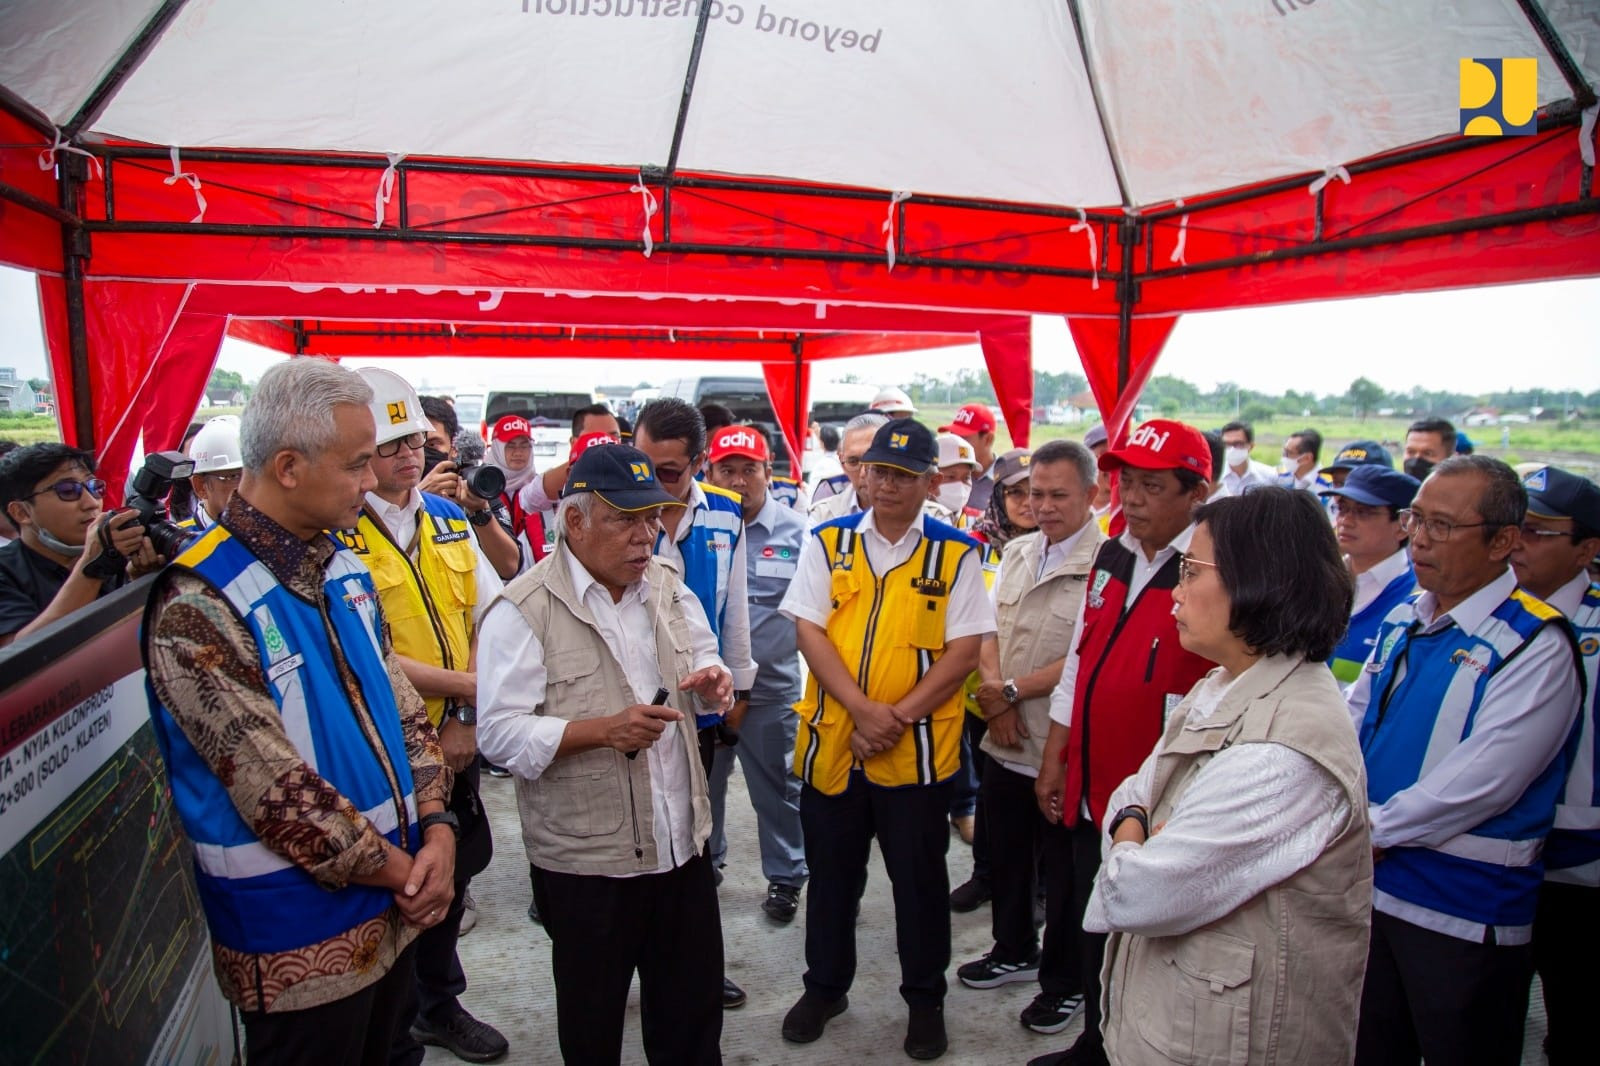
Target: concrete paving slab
<point>507,962</point>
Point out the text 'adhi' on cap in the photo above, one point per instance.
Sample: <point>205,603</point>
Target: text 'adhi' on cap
<point>1013,466</point>
<point>904,444</point>
<point>955,451</point>
<point>510,428</point>
<point>1360,453</point>
<point>1162,444</point>
<point>1376,486</point>
<point>396,411</point>
<point>741,441</point>
<point>972,419</point>
<point>622,476</point>
<point>1557,493</point>
<point>587,441</point>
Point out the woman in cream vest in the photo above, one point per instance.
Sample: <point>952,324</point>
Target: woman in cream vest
<point>1237,881</point>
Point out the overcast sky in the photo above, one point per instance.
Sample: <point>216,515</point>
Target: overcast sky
<point>1523,336</point>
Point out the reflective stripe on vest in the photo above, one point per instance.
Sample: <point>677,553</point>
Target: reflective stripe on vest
<point>708,553</point>
<point>255,900</point>
<point>1426,691</point>
<point>428,604</point>
<point>1574,843</point>
<point>1362,636</point>
<point>889,629</point>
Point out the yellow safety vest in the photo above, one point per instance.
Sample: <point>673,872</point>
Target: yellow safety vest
<point>890,629</point>
<point>427,604</point>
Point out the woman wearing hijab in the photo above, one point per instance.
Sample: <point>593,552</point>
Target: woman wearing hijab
<point>511,452</point>
<point>1007,515</point>
<point>1237,881</point>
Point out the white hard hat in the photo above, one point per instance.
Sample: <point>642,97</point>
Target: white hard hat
<point>216,446</point>
<point>892,400</point>
<point>954,450</point>
<point>395,407</point>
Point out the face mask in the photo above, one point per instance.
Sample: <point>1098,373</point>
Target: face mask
<point>954,494</point>
<point>432,457</point>
<point>61,547</point>
<point>1418,467</point>
<point>1236,456</point>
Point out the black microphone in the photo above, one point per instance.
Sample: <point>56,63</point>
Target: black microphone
<point>469,448</point>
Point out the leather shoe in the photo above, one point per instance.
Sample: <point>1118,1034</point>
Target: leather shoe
<point>1083,1052</point>
<point>807,1018</point>
<point>732,995</point>
<point>462,1035</point>
<point>782,902</point>
<point>970,895</point>
<point>925,1037</point>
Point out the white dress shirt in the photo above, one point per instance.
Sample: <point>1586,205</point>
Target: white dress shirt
<point>513,734</point>
<point>1254,816</point>
<point>733,636</point>
<point>401,522</point>
<point>1254,474</point>
<point>1143,570</point>
<point>810,597</point>
<point>1526,714</point>
<point>1374,580</point>
<point>1569,597</point>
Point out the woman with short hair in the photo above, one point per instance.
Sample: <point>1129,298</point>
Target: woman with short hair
<point>1237,882</point>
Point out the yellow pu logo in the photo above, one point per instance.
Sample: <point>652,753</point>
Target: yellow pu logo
<point>900,441</point>
<point>1499,97</point>
<point>397,412</point>
<point>641,471</point>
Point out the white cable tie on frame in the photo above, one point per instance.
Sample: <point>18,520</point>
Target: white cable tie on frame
<point>179,174</point>
<point>649,201</point>
<point>1094,247</point>
<point>891,225</point>
<point>385,193</point>
<point>1586,134</point>
<point>47,157</point>
<point>1183,237</point>
<point>1327,177</point>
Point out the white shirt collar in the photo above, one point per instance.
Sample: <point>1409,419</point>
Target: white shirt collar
<point>395,516</point>
<point>583,582</point>
<point>1471,612</point>
<point>1387,570</point>
<point>1055,554</point>
<point>767,516</point>
<point>1569,597</point>
<point>1179,544</point>
<point>867,525</point>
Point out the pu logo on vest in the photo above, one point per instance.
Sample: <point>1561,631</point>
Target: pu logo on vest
<point>397,412</point>
<point>353,539</point>
<point>1499,97</point>
<point>641,471</point>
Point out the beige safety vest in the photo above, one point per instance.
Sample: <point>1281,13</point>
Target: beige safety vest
<point>1279,979</point>
<point>1036,621</point>
<point>592,813</point>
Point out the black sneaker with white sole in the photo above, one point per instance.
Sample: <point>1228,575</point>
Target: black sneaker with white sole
<point>992,972</point>
<point>1050,1014</point>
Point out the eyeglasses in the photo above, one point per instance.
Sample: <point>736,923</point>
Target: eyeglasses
<point>411,441</point>
<point>226,479</point>
<point>891,474</point>
<point>1529,531</point>
<point>68,490</point>
<point>1359,511</point>
<point>1438,529</point>
<point>850,464</point>
<point>1187,571</point>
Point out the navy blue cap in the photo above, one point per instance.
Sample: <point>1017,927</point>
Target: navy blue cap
<point>1377,486</point>
<point>620,475</point>
<point>905,444</point>
<point>1464,445</point>
<point>1360,453</point>
<point>1555,493</point>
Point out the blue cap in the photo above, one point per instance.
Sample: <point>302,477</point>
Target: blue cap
<point>1464,445</point>
<point>1555,493</point>
<point>620,475</point>
<point>1377,486</point>
<point>905,444</point>
<point>1360,453</point>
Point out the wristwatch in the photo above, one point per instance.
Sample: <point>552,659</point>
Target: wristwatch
<point>741,694</point>
<point>442,818</point>
<point>1133,811</point>
<point>480,518</point>
<point>1009,691</point>
<point>466,714</point>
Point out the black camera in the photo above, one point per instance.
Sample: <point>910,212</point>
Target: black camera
<point>161,470</point>
<point>484,482</point>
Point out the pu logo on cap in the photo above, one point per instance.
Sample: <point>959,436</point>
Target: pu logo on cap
<point>1146,436</point>
<point>397,412</point>
<point>1539,480</point>
<point>1024,460</point>
<point>900,441</point>
<point>641,471</point>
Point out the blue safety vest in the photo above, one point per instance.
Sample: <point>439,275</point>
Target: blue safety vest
<point>1362,636</point>
<point>1426,691</point>
<point>255,900</point>
<point>716,526</point>
<point>1572,853</point>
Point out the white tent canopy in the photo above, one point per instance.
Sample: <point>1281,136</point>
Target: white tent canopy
<point>948,97</point>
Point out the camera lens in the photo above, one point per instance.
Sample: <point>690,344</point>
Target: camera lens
<point>485,482</point>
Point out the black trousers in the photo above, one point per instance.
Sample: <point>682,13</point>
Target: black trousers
<point>973,729</point>
<point>1071,860</point>
<point>358,1030</point>
<point>440,979</point>
<point>664,926</point>
<point>1443,999</point>
<point>1566,943</point>
<point>1017,833</point>
<point>914,836</point>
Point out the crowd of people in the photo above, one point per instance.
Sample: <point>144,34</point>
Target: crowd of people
<point>1257,764</point>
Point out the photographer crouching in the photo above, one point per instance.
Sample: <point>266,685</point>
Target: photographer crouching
<point>69,551</point>
<point>302,762</point>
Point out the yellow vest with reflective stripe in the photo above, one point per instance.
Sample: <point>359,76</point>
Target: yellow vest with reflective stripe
<point>427,604</point>
<point>889,629</point>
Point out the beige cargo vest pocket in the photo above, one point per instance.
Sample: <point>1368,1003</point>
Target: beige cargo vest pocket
<point>595,776</point>
<point>1199,1015</point>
